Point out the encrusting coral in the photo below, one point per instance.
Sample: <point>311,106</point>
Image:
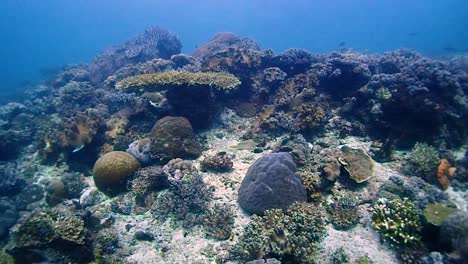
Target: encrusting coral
<point>161,80</point>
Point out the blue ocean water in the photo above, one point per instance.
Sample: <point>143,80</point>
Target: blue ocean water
<point>40,36</point>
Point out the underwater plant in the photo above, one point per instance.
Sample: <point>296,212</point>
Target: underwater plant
<point>397,221</point>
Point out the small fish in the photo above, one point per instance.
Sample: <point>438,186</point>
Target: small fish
<point>412,34</point>
<point>80,147</point>
<point>342,44</point>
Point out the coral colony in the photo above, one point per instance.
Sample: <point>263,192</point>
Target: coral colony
<point>237,154</point>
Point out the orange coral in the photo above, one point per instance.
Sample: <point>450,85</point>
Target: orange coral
<point>444,173</point>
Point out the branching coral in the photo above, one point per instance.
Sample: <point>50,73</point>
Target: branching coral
<point>424,158</point>
<point>188,195</point>
<point>294,233</point>
<point>162,80</point>
<point>397,221</point>
<point>343,212</point>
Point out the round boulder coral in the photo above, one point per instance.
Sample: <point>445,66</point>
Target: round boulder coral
<point>173,137</point>
<point>112,170</point>
<point>271,183</point>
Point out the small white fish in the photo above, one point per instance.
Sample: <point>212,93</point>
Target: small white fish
<point>80,147</point>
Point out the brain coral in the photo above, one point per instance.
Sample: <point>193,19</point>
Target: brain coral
<point>163,80</point>
<point>112,170</point>
<point>271,183</point>
<point>357,163</point>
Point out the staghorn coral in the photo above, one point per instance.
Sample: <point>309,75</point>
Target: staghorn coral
<point>295,233</point>
<point>397,221</point>
<point>164,80</point>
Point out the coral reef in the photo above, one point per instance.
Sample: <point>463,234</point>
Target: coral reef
<point>437,213</point>
<point>151,44</point>
<point>295,233</point>
<point>343,212</point>
<point>397,222</point>
<point>167,80</point>
<point>221,162</point>
<point>357,163</point>
<point>219,221</point>
<point>58,230</point>
<point>9,215</point>
<point>445,172</point>
<point>148,179</point>
<point>271,183</point>
<point>424,158</point>
<point>112,171</point>
<point>188,196</point>
<point>172,137</point>
<point>285,128</point>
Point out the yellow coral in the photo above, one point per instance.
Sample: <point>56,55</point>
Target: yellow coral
<point>162,80</point>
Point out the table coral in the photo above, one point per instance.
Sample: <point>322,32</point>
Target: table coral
<point>164,80</point>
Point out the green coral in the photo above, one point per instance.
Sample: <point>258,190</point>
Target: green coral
<point>397,221</point>
<point>295,233</point>
<point>162,80</point>
<point>437,213</point>
<point>424,158</point>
